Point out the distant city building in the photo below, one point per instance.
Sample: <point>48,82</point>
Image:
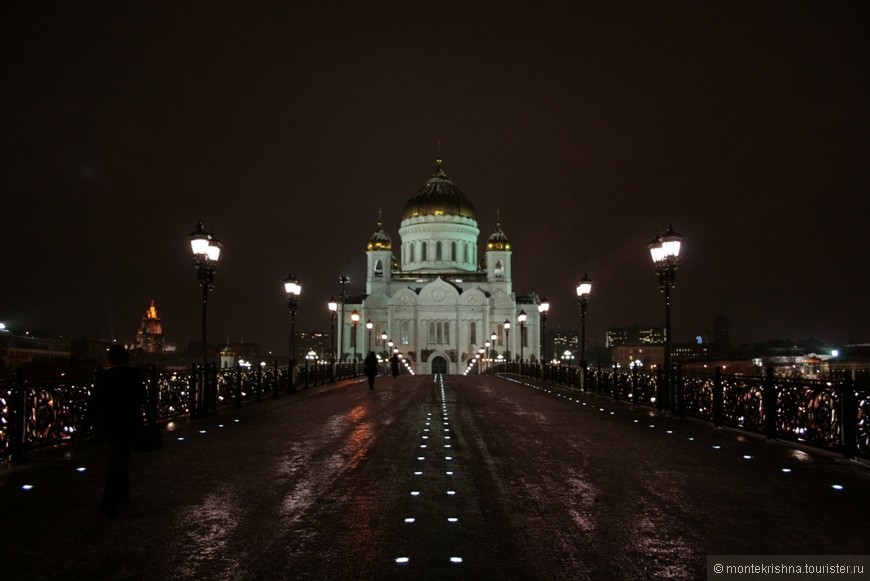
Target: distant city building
<point>317,341</point>
<point>35,353</point>
<point>439,301</point>
<point>636,334</point>
<point>241,350</point>
<point>566,341</point>
<point>642,355</point>
<point>149,337</point>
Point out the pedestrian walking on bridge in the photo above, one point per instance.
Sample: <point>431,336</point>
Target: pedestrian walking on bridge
<point>115,412</point>
<point>394,365</point>
<point>370,368</point>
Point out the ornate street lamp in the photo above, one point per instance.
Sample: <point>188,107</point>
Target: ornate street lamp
<point>354,320</point>
<point>543,309</point>
<point>369,327</point>
<point>384,346</point>
<point>584,287</point>
<point>521,319</point>
<point>507,336</point>
<point>206,251</point>
<point>344,281</point>
<point>292,289</point>
<point>493,339</point>
<point>332,304</point>
<point>333,312</point>
<point>665,253</point>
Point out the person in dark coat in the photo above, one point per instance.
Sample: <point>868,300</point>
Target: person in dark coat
<point>394,365</point>
<point>115,412</point>
<point>370,368</point>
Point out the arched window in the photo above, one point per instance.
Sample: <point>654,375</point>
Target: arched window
<point>423,251</point>
<point>453,251</point>
<point>499,269</point>
<point>411,259</point>
<point>472,333</point>
<point>438,250</point>
<point>379,268</point>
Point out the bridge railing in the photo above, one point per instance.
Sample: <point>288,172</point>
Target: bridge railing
<point>37,414</point>
<point>833,414</point>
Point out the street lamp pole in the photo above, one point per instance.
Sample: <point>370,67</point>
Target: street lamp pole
<point>521,318</point>
<point>206,252</point>
<point>369,326</point>
<point>292,289</point>
<point>343,280</point>
<point>543,309</point>
<point>384,346</point>
<point>584,287</point>
<point>507,337</point>
<point>354,320</point>
<point>333,311</point>
<point>665,253</point>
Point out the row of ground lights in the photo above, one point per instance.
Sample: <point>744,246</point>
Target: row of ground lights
<point>427,444</point>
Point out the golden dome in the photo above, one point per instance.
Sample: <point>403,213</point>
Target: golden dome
<point>380,240</point>
<point>439,197</point>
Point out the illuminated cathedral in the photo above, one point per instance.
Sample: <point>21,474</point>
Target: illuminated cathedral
<point>440,300</point>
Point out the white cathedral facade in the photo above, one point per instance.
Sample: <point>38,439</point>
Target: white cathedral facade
<point>439,302</point>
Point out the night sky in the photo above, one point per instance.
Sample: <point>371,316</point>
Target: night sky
<point>284,128</point>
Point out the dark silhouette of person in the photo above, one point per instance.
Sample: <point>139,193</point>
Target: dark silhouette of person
<point>370,368</point>
<point>394,365</point>
<point>115,412</point>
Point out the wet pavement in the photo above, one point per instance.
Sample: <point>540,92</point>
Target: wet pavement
<point>472,477</point>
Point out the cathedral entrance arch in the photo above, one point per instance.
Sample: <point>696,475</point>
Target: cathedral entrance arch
<point>439,365</point>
